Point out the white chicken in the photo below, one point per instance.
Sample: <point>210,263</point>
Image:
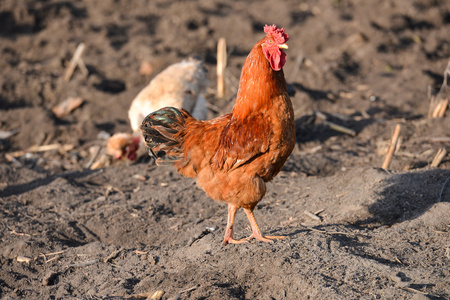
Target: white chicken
<point>181,85</point>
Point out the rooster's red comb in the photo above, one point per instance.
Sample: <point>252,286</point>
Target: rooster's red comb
<point>277,33</point>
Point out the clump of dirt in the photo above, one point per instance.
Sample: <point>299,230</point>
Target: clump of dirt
<point>353,231</point>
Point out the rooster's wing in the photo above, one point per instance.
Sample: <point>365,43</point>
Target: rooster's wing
<point>242,141</point>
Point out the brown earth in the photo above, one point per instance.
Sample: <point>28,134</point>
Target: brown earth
<point>134,228</point>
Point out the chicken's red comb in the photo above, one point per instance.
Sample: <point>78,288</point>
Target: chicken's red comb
<point>277,33</point>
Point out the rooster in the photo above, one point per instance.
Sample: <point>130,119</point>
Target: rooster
<point>180,85</point>
<point>233,156</point>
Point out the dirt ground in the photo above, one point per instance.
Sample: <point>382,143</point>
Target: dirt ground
<point>354,231</point>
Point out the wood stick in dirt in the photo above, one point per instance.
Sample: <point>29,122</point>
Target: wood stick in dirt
<point>13,160</point>
<point>392,147</point>
<point>443,108</point>
<point>144,295</point>
<point>332,125</point>
<point>52,259</point>
<point>438,157</point>
<point>67,106</point>
<point>157,295</point>
<point>74,62</point>
<point>84,264</point>
<point>431,106</point>
<point>52,253</point>
<point>178,295</point>
<point>438,105</point>
<point>221,65</point>
<point>330,232</point>
<point>189,289</point>
<point>442,139</point>
<point>82,66</point>
<point>113,255</point>
<point>23,259</point>
<point>340,128</point>
<point>42,148</point>
<point>95,150</point>
<point>318,211</point>
<point>440,108</point>
<point>312,216</point>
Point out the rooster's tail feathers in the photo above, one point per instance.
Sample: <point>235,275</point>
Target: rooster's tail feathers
<point>163,134</point>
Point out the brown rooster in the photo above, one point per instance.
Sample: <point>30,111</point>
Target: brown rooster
<point>232,156</point>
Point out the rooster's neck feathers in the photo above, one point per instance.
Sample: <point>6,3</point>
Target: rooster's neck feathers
<point>259,84</point>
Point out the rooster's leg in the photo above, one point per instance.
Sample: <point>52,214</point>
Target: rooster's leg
<point>256,232</point>
<point>232,209</point>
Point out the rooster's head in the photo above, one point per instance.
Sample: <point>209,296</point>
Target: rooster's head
<point>274,43</point>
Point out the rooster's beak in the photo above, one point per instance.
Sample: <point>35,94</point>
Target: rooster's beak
<point>283,46</point>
